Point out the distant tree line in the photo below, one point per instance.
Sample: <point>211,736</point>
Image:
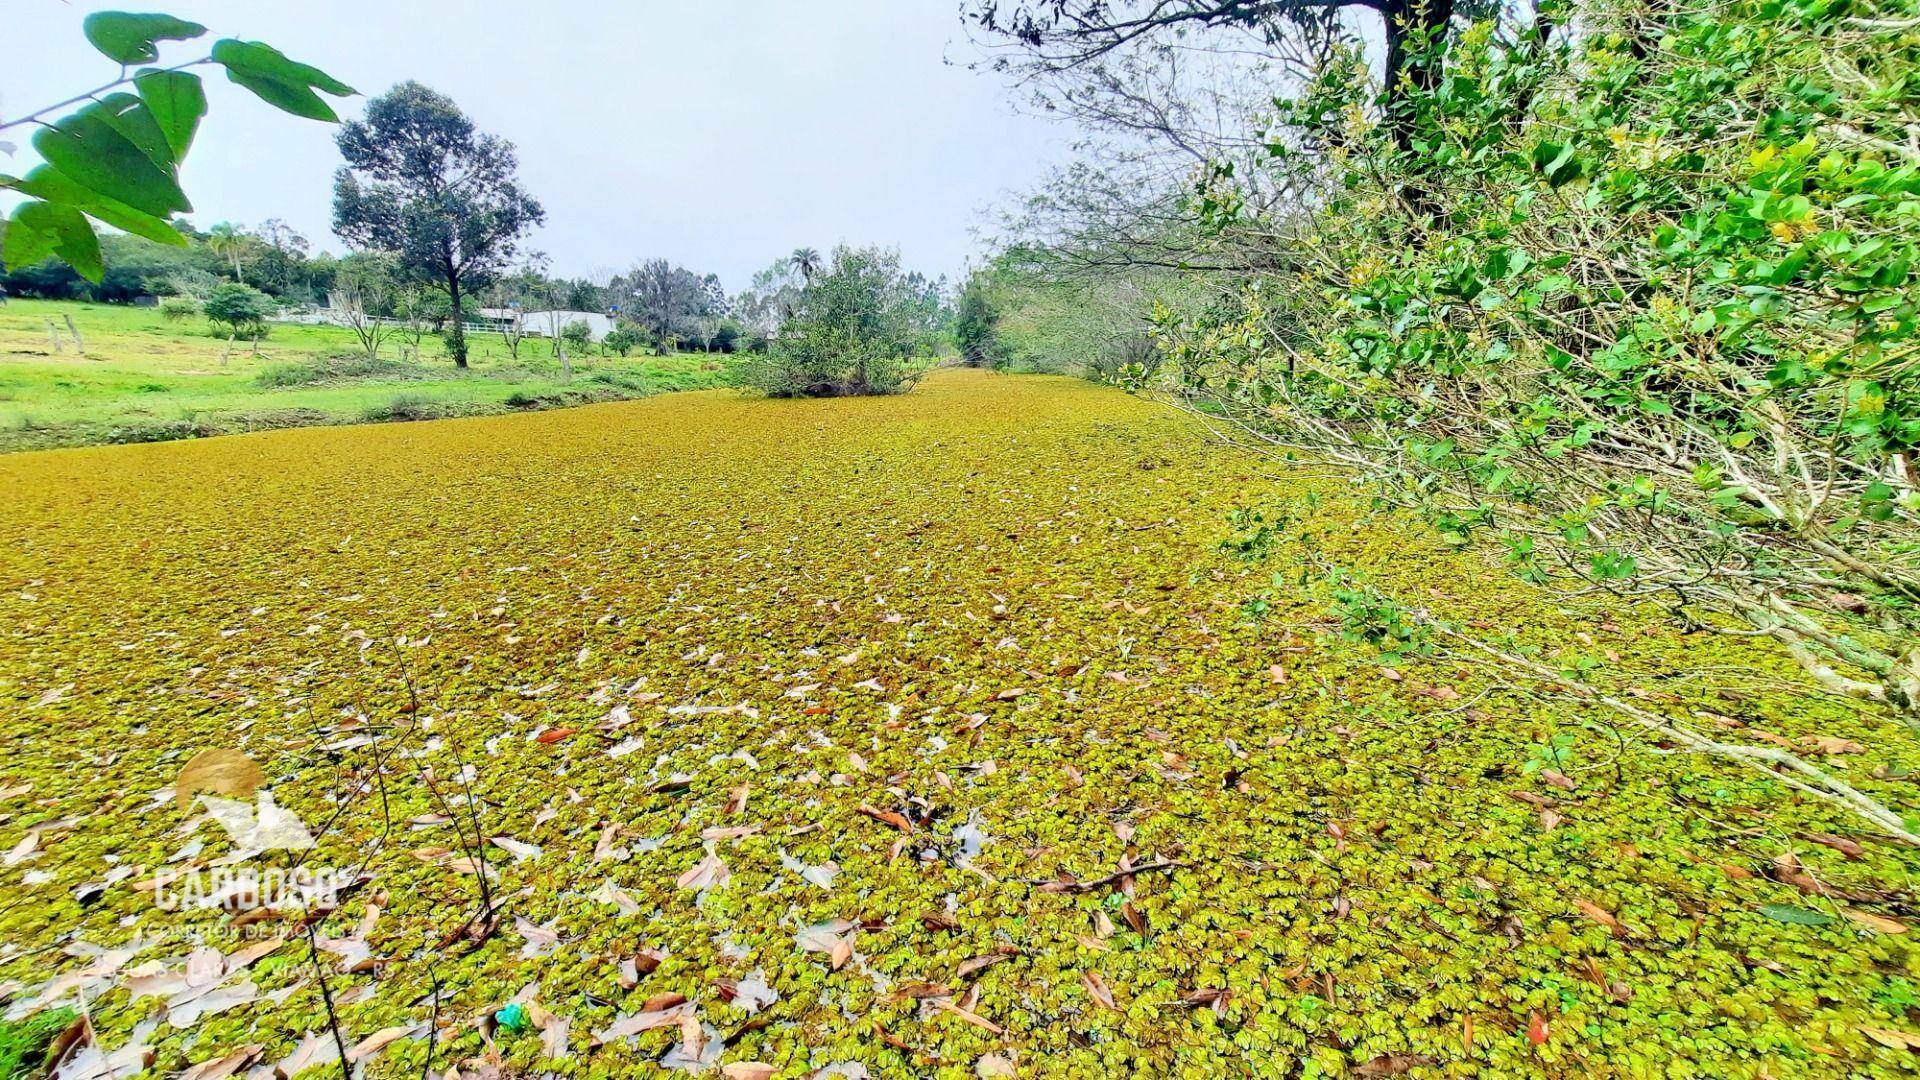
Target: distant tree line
<point>434,217</point>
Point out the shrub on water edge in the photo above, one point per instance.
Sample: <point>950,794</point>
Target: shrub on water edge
<point>408,407</point>
<point>159,431</point>
<point>853,331</point>
<point>335,369</point>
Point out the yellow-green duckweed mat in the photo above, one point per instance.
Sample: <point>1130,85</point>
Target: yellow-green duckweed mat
<point>820,735</point>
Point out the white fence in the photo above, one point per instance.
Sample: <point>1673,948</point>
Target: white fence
<point>541,324</point>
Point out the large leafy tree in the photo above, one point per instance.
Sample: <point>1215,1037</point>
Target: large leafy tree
<point>1057,36</point>
<point>116,157</point>
<point>975,325</point>
<point>422,183</point>
<point>668,301</point>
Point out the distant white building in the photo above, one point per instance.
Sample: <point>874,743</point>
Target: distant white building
<point>551,323</point>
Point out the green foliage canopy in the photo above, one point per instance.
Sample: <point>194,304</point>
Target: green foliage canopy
<point>116,159</point>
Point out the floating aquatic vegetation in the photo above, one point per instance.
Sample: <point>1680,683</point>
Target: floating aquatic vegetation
<point>944,747</point>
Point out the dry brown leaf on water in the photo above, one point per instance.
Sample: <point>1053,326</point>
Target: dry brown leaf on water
<point>610,892</point>
<point>708,873</point>
<point>23,850</point>
<point>995,1065</point>
<point>1787,868</point>
<point>970,1017</point>
<point>1558,779</point>
<point>314,1047</point>
<point>1891,1039</point>
<point>834,937</point>
<point>1102,925</point>
<point>603,849</point>
<point>1600,915</point>
<point>747,1070</point>
<point>1832,744</point>
<point>1852,849</point>
<point>1879,923</point>
<point>692,1039</point>
<point>668,1015</point>
<point>1097,988</point>
<point>519,849</point>
<point>541,939</point>
<point>981,963</point>
<point>888,817</point>
<point>221,771</point>
<point>379,1041</point>
<point>918,991</point>
<point>644,962</point>
<point>554,735</point>
<point>1537,1031</point>
<point>729,832</point>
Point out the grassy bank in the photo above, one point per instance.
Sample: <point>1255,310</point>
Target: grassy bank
<point>145,379</point>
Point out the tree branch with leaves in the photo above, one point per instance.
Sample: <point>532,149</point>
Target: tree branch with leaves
<point>116,159</point>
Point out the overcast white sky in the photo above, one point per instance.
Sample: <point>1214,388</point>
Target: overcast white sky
<point>718,135</point>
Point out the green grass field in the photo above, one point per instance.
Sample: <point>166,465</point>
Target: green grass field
<point>144,379</point>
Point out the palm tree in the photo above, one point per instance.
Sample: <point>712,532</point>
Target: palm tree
<point>806,260</point>
<point>226,239</point>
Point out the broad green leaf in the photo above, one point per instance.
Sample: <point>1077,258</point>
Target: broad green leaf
<point>129,38</point>
<point>47,183</point>
<point>129,116</point>
<point>28,239</point>
<point>285,84</point>
<point>91,150</point>
<point>1799,916</point>
<point>43,228</point>
<point>177,102</point>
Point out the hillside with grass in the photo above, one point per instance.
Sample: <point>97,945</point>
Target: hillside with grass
<point>147,378</point>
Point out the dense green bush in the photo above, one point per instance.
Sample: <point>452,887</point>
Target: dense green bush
<point>238,310</point>
<point>622,340</point>
<point>179,308</point>
<point>852,331</point>
<point>1638,304</point>
<point>577,335</point>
